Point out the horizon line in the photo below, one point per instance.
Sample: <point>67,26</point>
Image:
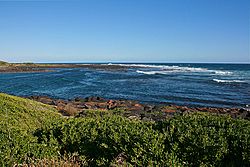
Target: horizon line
<point>129,62</point>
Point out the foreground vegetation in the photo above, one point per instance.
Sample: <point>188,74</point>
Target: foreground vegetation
<point>31,133</point>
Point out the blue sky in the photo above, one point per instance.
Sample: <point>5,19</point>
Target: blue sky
<point>125,30</point>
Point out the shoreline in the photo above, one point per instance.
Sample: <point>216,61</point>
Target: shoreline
<point>26,67</point>
<point>133,109</point>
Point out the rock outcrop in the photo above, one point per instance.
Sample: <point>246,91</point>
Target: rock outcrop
<point>132,109</point>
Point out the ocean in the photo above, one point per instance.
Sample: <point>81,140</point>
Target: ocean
<point>211,85</point>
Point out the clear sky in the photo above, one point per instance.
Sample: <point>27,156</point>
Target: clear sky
<point>125,30</point>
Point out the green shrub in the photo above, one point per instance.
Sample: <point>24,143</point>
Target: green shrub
<point>103,139</point>
<point>33,131</point>
<point>3,63</point>
<point>191,139</point>
<point>19,118</point>
<point>201,139</point>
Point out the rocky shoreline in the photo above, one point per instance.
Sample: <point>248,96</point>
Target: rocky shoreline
<point>132,109</point>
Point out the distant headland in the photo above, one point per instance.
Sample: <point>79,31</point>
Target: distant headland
<point>6,67</point>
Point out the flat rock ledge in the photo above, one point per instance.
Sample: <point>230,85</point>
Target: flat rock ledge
<point>132,109</point>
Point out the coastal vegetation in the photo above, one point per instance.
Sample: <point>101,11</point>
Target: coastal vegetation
<point>45,67</point>
<point>33,133</point>
<point>3,63</point>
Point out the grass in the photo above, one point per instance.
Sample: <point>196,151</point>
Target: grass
<point>32,133</point>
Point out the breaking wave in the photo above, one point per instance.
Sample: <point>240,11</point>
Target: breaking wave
<point>223,72</point>
<point>227,81</point>
<point>151,72</point>
<point>165,69</point>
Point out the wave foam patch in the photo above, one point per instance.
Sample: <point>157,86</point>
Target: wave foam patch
<point>139,65</point>
<point>223,72</point>
<point>151,72</point>
<point>184,69</point>
<point>228,81</point>
<point>166,69</point>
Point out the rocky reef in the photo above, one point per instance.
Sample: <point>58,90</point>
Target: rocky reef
<point>132,109</point>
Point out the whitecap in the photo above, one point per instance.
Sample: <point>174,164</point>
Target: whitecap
<point>223,72</point>
<point>153,72</point>
<point>146,72</point>
<point>174,68</point>
<point>227,81</point>
<point>140,65</point>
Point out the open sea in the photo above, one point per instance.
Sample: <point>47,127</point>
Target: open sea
<point>213,85</point>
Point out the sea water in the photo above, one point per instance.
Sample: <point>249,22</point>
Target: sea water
<point>213,85</point>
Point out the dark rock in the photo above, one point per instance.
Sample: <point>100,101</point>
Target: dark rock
<point>111,104</point>
<point>43,99</point>
<point>95,99</point>
<point>183,109</point>
<point>133,109</point>
<point>79,99</point>
<point>242,110</point>
<point>148,108</point>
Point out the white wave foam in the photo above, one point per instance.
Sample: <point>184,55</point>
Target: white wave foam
<point>223,72</point>
<point>166,69</point>
<point>140,65</point>
<point>227,81</point>
<point>151,72</point>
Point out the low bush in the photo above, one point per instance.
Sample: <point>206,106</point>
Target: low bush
<point>198,139</point>
<point>19,118</point>
<point>33,133</point>
<point>2,63</point>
